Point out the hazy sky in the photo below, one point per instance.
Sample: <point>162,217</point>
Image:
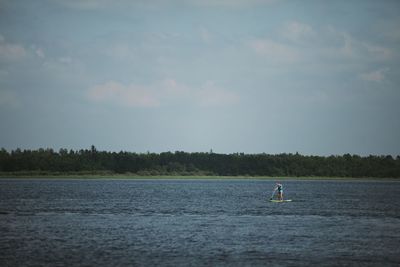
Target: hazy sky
<point>314,77</point>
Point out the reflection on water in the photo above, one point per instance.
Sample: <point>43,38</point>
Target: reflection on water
<point>198,222</point>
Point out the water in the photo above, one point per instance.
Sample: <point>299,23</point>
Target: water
<point>198,223</point>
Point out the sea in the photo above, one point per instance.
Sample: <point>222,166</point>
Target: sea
<point>194,222</point>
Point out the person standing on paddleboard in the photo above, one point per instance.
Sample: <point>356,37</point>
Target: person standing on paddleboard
<point>279,188</point>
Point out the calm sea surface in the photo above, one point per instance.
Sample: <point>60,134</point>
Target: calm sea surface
<point>198,223</point>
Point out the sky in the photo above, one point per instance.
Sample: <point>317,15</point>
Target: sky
<point>252,76</point>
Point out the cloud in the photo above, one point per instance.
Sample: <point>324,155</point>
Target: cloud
<point>65,60</point>
<point>298,32</point>
<point>274,51</point>
<point>374,76</point>
<point>348,46</point>
<point>39,52</point>
<point>378,52</point>
<point>164,93</point>
<point>211,95</point>
<point>11,52</point>
<point>205,35</point>
<point>130,95</point>
<point>121,50</point>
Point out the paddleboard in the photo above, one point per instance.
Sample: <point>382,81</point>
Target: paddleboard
<point>276,200</point>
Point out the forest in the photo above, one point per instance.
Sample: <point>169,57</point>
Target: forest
<point>91,161</point>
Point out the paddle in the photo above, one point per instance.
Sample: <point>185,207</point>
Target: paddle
<point>273,193</point>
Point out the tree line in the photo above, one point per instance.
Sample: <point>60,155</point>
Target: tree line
<point>92,161</point>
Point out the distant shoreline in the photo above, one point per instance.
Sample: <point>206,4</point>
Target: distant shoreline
<point>186,177</point>
<point>89,162</point>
